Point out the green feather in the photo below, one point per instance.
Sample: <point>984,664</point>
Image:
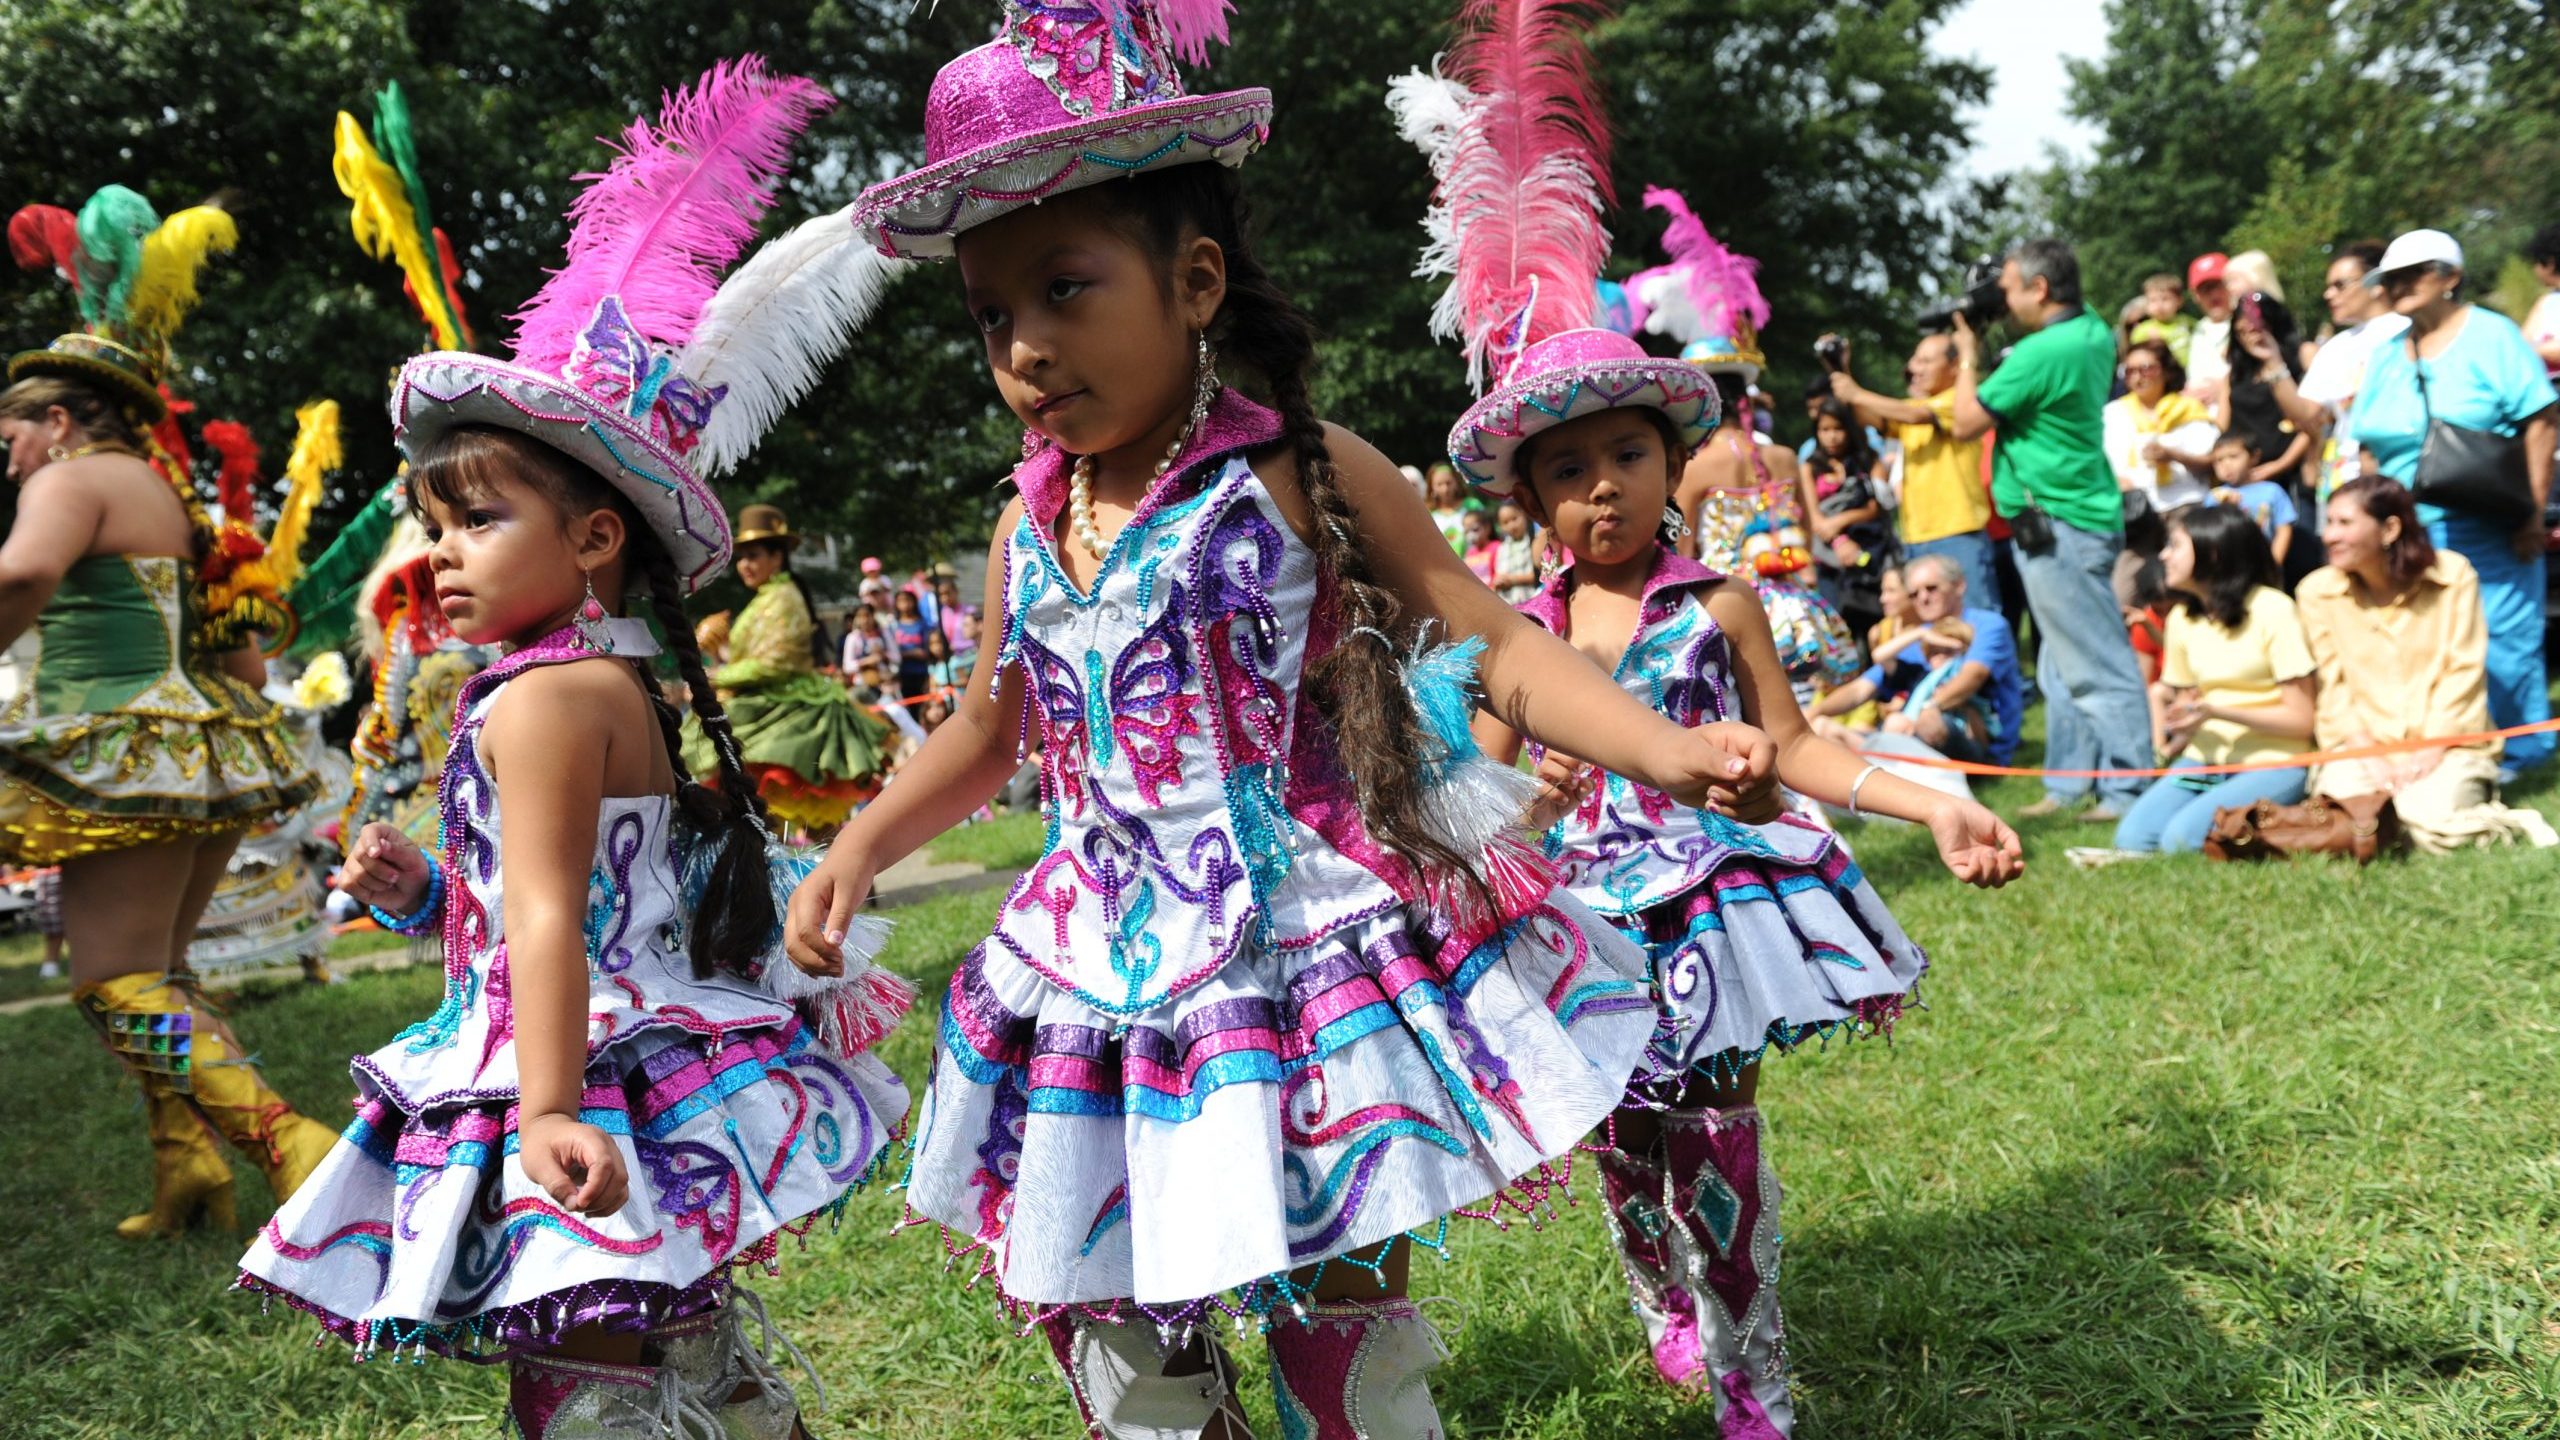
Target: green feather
<point>324,599</point>
<point>393,138</point>
<point>111,226</point>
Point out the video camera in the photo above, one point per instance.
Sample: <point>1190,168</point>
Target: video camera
<point>1982,303</point>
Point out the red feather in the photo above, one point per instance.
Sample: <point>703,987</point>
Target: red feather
<point>1528,176</point>
<point>236,483</point>
<point>47,236</point>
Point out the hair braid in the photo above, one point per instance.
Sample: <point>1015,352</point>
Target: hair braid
<point>1357,686</point>
<point>735,924</point>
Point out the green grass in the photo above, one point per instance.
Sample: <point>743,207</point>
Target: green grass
<point>1008,842</point>
<point>2177,1150</point>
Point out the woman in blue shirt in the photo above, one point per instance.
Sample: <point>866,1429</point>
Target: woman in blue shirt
<point>2482,375</point>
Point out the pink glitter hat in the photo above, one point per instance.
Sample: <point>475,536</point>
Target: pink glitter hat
<point>1568,376</point>
<point>1069,93</point>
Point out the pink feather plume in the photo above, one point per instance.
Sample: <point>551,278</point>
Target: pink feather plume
<point>1190,26</point>
<point>1720,283</point>
<point>679,203</point>
<point>1527,176</point>
<point>47,237</point>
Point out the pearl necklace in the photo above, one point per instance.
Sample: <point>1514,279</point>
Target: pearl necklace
<point>1080,479</point>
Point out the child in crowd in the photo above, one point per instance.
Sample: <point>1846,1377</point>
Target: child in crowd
<point>1484,548</point>
<point>1515,565</point>
<point>1762,935</point>
<point>2267,503</point>
<point>1278,991</point>
<point>626,1090</point>
<point>2164,317</point>
<point>1450,506</point>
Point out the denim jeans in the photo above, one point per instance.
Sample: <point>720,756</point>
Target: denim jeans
<point>1972,553</point>
<point>2095,714</point>
<point>2511,602</point>
<point>2176,813</point>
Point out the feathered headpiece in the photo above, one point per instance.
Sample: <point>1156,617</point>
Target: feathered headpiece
<point>1519,156</point>
<point>1706,296</point>
<point>391,219</point>
<point>246,576</point>
<point>134,275</point>
<point>599,367</point>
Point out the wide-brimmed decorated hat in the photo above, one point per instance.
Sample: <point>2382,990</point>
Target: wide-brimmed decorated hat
<point>766,524</point>
<point>636,359</point>
<point>134,275</point>
<point>1568,376</point>
<point>1069,93</point>
<point>1707,298</point>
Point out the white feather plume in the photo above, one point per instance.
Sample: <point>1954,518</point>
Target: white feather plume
<point>775,324</point>
<point>1431,113</point>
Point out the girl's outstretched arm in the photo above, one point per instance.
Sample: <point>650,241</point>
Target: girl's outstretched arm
<point>1977,847</point>
<point>547,744</point>
<point>959,768</point>
<point>1534,682</point>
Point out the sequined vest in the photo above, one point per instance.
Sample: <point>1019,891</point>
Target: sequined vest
<point>1164,702</point>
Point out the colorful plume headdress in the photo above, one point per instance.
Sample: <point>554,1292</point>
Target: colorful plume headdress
<point>603,367</point>
<point>390,217</point>
<point>134,276</point>
<point>1510,121</point>
<point>1706,293</point>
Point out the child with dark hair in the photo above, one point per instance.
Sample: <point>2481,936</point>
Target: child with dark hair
<point>1282,987</point>
<point>2267,502</point>
<point>626,1090</point>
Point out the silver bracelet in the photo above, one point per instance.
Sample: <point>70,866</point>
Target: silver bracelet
<point>1872,767</point>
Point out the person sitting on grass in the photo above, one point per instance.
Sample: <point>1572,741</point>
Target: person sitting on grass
<point>1955,675</point>
<point>2267,503</point>
<point>2396,627</point>
<point>2237,678</point>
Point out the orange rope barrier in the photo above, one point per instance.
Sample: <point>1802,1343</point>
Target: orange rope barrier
<point>2288,762</point>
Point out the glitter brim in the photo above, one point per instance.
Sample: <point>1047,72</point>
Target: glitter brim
<point>1484,440</point>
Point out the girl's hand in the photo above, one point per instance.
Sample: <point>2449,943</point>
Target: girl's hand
<point>821,907</point>
<point>1978,848</point>
<point>1568,781</point>
<point>576,1164</point>
<point>1736,776</point>
<point>385,869</point>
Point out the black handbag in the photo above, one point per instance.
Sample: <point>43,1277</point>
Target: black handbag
<point>2478,472</point>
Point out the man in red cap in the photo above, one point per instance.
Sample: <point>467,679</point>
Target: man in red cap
<point>2208,351</point>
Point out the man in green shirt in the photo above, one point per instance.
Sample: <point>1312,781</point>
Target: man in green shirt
<point>2050,479</point>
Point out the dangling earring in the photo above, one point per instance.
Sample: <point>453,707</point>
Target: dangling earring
<point>56,454</point>
<point>1204,385</point>
<point>595,636</point>
<point>1675,526</point>
<point>1550,560</point>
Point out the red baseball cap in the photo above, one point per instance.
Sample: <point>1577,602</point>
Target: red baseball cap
<point>2208,266</point>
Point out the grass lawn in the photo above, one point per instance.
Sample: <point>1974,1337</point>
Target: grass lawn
<point>2178,1150</point>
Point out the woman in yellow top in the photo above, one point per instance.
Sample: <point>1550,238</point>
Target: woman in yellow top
<point>2238,679</point>
<point>136,761</point>
<point>2159,439</point>
<point>815,754</point>
<point>2396,627</point>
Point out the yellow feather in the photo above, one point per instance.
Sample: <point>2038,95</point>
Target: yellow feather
<point>165,289</point>
<point>386,228</point>
<point>316,452</point>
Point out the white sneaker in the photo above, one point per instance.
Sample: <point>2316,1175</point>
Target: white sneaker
<point>2098,857</point>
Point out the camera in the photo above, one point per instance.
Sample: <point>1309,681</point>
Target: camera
<point>1982,303</point>
<point>1833,352</point>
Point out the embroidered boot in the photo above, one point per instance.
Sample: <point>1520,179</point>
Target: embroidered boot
<point>1721,1189</point>
<point>189,1176</point>
<point>1130,1383</point>
<point>552,1397</point>
<point>1653,1251</point>
<point>1356,1370</point>
<point>235,1099</point>
<point>733,1374</point>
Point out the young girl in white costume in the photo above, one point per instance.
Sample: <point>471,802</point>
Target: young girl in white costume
<point>626,1090</point>
<point>1258,1010</point>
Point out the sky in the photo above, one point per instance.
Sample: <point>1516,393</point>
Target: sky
<point>2023,43</point>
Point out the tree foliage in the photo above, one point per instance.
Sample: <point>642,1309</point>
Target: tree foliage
<point>1807,134</point>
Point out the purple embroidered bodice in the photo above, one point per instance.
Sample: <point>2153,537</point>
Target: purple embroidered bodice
<point>1166,707</point>
<point>1630,847</point>
<point>638,974</point>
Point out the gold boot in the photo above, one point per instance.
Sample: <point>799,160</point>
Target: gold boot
<point>144,1022</point>
<point>238,1103</point>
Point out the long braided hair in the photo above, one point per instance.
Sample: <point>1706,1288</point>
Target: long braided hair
<point>1358,686</point>
<point>736,923</point>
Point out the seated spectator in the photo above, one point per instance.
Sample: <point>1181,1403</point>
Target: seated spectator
<point>870,654</point>
<point>2238,681</point>
<point>2158,437</point>
<point>1859,722</point>
<point>1482,547</point>
<point>2396,628</point>
<point>1515,565</point>
<point>2165,321</point>
<point>1953,682</point>
<point>2267,503</point>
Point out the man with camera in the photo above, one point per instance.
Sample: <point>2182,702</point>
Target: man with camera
<point>1944,508</point>
<point>2050,479</point>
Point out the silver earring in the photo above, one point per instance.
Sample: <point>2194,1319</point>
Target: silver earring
<point>1675,526</point>
<point>594,635</point>
<point>1204,386</point>
<point>1550,563</point>
<point>56,454</point>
